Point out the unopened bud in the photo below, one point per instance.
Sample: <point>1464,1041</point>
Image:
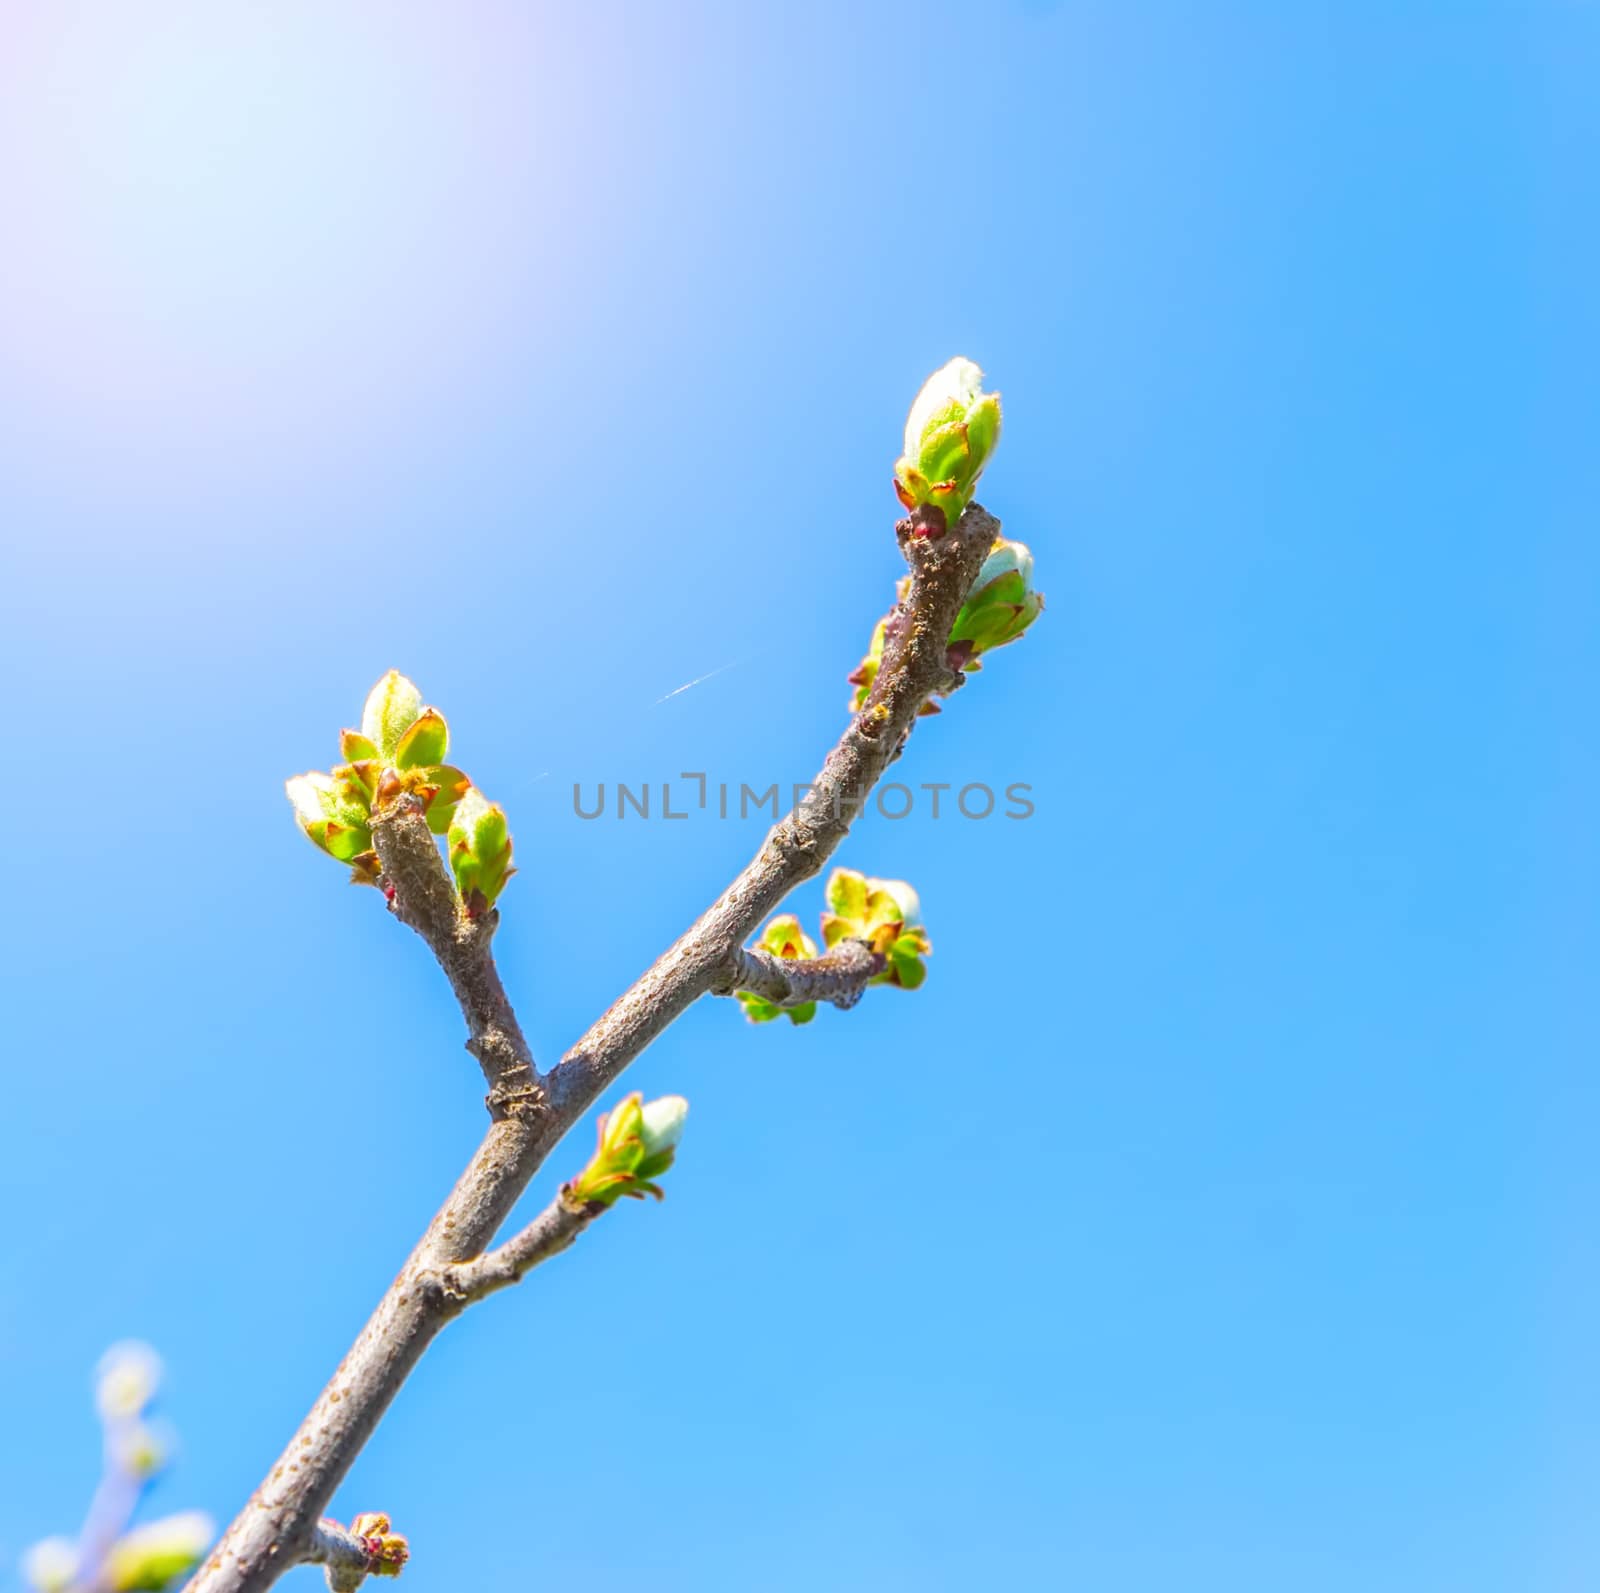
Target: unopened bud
<point>951,433</point>
<point>1000,607</point>
<point>865,673</point>
<point>393,706</point>
<point>387,1551</point>
<point>480,851</point>
<point>151,1558</point>
<point>425,743</point>
<point>886,914</point>
<point>329,809</point>
<point>637,1143</point>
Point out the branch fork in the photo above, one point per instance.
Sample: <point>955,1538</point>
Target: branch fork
<point>453,1264</point>
<point>420,895</point>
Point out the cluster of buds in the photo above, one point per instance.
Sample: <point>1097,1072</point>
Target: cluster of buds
<point>1000,607</point>
<point>951,434</point>
<point>143,1559</point>
<point>886,914</point>
<point>387,1551</point>
<point>783,937</point>
<point>638,1143</point>
<point>882,913</point>
<point>400,750</point>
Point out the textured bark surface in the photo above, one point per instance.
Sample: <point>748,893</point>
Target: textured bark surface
<point>840,977</point>
<point>341,1553</point>
<point>421,895</point>
<point>530,1112</point>
<point>556,1227</point>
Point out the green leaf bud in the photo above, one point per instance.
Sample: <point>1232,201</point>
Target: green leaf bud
<point>480,851</point>
<point>886,914</point>
<point>865,673</point>
<point>424,743</point>
<point>331,813</point>
<point>393,706</point>
<point>951,433</point>
<point>1000,607</point>
<point>386,1549</point>
<point>637,1143</point>
<point>442,788</point>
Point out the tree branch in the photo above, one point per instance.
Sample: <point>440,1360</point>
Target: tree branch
<point>530,1113</point>
<point>342,1552</point>
<point>915,666</point>
<point>351,1557</point>
<point>839,977</point>
<point>420,894</point>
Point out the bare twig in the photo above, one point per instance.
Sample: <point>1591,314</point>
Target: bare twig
<point>349,1556</point>
<point>530,1112</point>
<point>342,1552</point>
<point>547,1235</point>
<point>420,895</point>
<point>115,1500</point>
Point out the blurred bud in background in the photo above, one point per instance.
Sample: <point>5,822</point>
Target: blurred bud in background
<point>152,1557</point>
<point>111,1555</point>
<point>126,1380</point>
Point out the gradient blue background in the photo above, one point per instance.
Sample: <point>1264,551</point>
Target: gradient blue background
<point>1222,1213</point>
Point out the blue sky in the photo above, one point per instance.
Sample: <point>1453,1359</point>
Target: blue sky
<point>1220,1214</point>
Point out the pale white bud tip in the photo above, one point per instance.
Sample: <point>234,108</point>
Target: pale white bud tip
<point>1006,557</point>
<point>126,1380</point>
<point>470,809</point>
<point>309,793</point>
<point>662,1124</point>
<point>142,1449</point>
<point>903,897</point>
<point>958,382</point>
<point>50,1565</point>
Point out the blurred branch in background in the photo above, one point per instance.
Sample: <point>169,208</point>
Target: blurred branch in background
<point>110,1554</point>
